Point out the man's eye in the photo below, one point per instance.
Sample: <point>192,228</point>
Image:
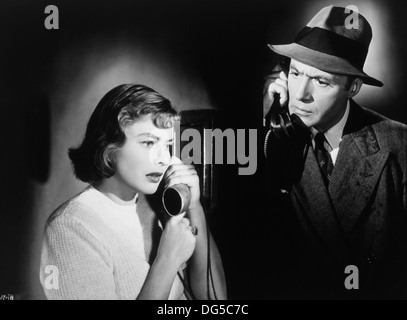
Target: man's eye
<point>322,83</point>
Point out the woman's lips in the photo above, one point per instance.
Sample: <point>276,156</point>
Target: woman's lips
<point>154,177</point>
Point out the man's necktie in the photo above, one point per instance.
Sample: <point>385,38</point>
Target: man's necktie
<point>323,156</point>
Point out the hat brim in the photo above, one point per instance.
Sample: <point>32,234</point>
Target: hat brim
<point>322,61</point>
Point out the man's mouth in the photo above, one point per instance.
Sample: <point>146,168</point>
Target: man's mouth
<point>154,177</point>
<point>301,112</point>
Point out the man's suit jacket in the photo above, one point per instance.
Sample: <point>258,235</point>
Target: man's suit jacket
<point>361,218</point>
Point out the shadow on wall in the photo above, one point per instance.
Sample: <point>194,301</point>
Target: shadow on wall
<point>25,168</point>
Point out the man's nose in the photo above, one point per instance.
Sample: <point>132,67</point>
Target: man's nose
<point>303,92</point>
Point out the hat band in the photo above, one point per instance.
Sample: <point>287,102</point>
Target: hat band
<point>334,44</point>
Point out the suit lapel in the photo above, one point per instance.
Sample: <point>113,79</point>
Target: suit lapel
<point>312,193</point>
<point>358,167</point>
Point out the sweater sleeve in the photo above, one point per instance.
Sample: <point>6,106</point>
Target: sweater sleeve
<point>74,263</point>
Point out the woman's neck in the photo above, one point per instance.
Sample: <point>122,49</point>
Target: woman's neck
<point>116,192</point>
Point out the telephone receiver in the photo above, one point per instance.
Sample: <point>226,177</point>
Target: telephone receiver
<point>283,126</point>
<point>176,199</point>
<point>284,145</point>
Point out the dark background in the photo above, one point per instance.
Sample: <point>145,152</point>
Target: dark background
<point>200,54</point>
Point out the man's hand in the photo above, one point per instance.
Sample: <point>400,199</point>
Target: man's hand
<point>276,82</point>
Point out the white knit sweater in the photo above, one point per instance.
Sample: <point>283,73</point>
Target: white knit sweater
<point>97,248</point>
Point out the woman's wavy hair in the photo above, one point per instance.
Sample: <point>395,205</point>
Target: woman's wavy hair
<point>93,160</point>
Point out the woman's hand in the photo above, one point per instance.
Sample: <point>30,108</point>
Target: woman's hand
<point>177,242</point>
<point>186,174</point>
<point>180,173</point>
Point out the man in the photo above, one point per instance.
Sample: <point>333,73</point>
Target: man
<point>348,223</point>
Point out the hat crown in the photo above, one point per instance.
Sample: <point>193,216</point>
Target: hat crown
<point>335,19</point>
<point>335,40</point>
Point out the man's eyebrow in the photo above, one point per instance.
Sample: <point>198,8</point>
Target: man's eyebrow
<point>315,76</point>
<point>320,77</point>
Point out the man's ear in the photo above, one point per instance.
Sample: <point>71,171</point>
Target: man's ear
<point>355,87</point>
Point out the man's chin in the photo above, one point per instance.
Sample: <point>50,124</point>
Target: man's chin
<point>306,121</point>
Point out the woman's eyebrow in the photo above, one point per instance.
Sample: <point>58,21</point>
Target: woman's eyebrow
<point>152,136</point>
<point>294,69</point>
<point>148,135</point>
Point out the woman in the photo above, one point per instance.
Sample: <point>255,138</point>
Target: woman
<point>95,240</point>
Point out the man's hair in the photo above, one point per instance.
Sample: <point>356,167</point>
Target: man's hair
<point>349,82</point>
<point>93,160</point>
<point>284,65</point>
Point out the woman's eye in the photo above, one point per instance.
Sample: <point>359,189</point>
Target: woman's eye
<point>148,144</point>
<point>169,148</point>
<point>294,74</point>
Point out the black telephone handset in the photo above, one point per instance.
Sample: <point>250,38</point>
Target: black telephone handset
<point>284,145</point>
<point>283,126</point>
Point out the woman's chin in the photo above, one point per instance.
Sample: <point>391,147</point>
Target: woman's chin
<point>149,190</point>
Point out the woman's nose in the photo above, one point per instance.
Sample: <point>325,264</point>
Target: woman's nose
<point>162,156</point>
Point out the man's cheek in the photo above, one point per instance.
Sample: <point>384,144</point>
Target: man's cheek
<point>290,109</point>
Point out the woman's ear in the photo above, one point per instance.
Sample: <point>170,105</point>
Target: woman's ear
<point>355,87</point>
<point>108,158</point>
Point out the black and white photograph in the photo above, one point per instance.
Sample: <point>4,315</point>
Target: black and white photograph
<point>204,150</point>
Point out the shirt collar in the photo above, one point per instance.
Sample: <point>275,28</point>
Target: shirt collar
<point>334,134</point>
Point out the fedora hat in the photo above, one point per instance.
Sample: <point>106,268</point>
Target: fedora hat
<point>328,44</point>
